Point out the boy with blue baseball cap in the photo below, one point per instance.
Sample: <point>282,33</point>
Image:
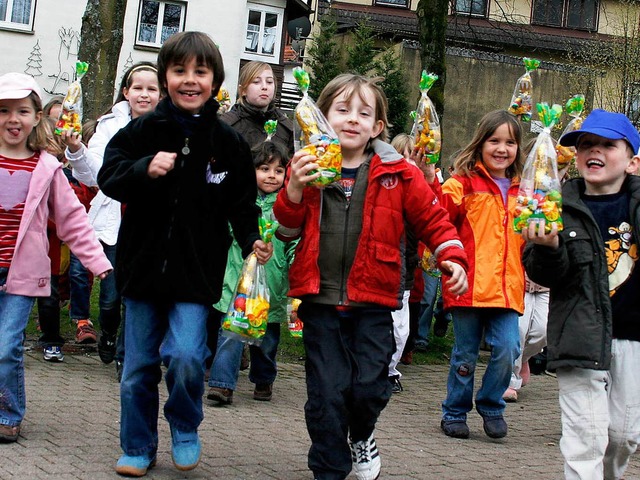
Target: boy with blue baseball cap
<point>593,331</point>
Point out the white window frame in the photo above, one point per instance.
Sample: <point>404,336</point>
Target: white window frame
<point>7,24</point>
<point>633,103</point>
<point>277,47</point>
<point>157,43</point>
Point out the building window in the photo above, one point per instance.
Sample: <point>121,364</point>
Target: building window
<point>17,14</point>
<point>574,14</point>
<point>471,7</point>
<point>393,3</point>
<point>159,20</point>
<point>264,32</point>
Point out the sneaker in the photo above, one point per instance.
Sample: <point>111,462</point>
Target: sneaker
<point>396,386</point>
<point>85,333</point>
<point>365,458</point>
<point>185,449</point>
<point>135,466</point>
<point>9,433</point>
<point>107,347</point>
<point>494,427</point>
<point>119,368</point>
<point>263,392</point>
<point>421,346</point>
<point>52,353</point>
<point>407,358</point>
<point>525,373</point>
<point>510,395</point>
<point>455,428</point>
<point>220,395</point>
<point>244,361</point>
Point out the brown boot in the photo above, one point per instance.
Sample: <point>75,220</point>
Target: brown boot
<point>220,395</point>
<point>263,392</point>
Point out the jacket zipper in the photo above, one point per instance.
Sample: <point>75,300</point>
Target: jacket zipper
<point>185,151</point>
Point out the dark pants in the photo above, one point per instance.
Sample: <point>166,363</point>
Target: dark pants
<point>49,316</point>
<point>414,318</point>
<point>347,364</point>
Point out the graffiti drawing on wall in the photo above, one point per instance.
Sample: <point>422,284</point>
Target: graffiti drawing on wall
<point>34,62</point>
<point>67,56</point>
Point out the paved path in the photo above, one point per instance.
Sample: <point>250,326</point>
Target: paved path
<point>71,431</point>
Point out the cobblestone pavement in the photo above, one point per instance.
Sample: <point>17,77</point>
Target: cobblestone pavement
<point>71,431</point>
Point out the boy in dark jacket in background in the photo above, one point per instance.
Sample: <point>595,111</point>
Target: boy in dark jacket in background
<point>593,331</point>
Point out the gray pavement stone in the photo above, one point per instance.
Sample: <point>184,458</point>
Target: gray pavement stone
<point>71,431</point>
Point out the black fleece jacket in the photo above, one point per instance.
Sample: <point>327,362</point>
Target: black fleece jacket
<point>174,236</point>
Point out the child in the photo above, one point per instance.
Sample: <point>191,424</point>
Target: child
<point>183,175</point>
<point>270,162</point>
<point>256,90</point>
<point>348,271</point>
<point>593,334</point>
<point>139,94</point>
<point>480,198</point>
<point>39,191</point>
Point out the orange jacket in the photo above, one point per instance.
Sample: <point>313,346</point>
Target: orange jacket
<point>494,249</point>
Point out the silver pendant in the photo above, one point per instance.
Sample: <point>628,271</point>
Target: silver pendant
<point>186,150</point>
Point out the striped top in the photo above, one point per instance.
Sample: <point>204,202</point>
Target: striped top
<point>15,176</point>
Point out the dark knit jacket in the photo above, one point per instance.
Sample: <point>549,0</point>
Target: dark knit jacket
<point>174,237</point>
<point>249,122</point>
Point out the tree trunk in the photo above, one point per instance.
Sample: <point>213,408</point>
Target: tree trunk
<point>432,27</point>
<point>100,44</point>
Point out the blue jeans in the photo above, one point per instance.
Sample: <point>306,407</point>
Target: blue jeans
<point>501,331</point>
<point>428,303</point>
<point>79,290</point>
<point>109,300</point>
<point>155,333</point>
<point>14,315</point>
<point>226,364</point>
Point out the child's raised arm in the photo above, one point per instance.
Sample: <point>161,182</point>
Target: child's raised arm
<point>301,164</point>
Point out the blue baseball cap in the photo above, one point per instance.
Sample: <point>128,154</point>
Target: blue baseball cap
<point>614,126</point>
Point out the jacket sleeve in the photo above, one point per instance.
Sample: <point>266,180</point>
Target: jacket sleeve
<point>430,222</point>
<point>72,225</point>
<point>242,208</point>
<point>86,162</point>
<point>123,175</point>
<point>546,266</point>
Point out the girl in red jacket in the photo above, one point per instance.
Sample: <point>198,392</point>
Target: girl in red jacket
<point>348,271</point>
<point>480,198</point>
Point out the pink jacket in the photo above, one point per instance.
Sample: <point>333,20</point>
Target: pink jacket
<point>51,196</point>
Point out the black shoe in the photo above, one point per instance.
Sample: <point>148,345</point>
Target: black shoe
<point>107,347</point>
<point>494,427</point>
<point>455,428</point>
<point>119,368</point>
<point>396,386</point>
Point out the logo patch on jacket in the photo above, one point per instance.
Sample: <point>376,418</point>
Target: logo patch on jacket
<point>389,181</point>
<point>216,178</point>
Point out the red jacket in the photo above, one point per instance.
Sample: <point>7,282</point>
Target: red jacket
<point>396,192</point>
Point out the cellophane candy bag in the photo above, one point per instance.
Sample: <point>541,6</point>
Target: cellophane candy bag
<point>574,108</point>
<point>521,103</point>
<point>295,324</point>
<point>539,196</point>
<point>224,99</point>
<point>71,111</point>
<point>426,125</point>
<point>429,265</point>
<point>270,127</point>
<point>313,133</point>
<point>247,316</point>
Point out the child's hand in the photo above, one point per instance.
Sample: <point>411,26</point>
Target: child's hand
<point>458,282</point>
<point>72,139</point>
<point>263,251</point>
<point>428,169</point>
<point>534,233</point>
<point>301,164</point>
<point>104,275</point>
<point>161,164</point>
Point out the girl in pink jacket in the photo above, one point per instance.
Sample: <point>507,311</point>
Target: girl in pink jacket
<point>33,189</point>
